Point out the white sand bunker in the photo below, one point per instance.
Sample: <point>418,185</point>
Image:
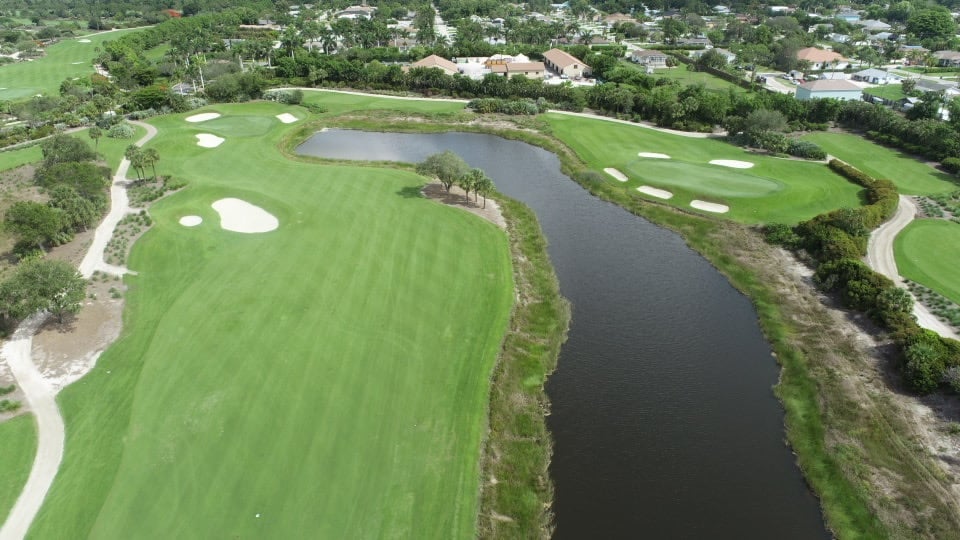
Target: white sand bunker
<point>654,192</point>
<point>286,118</point>
<point>83,41</point>
<point>616,174</point>
<point>732,163</point>
<point>202,117</point>
<point>710,207</point>
<point>240,216</point>
<point>654,155</point>
<point>207,140</point>
<point>191,221</point>
<point>76,63</point>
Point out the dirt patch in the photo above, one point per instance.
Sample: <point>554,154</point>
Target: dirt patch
<point>456,197</point>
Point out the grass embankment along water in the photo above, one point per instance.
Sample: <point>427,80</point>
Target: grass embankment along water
<point>331,376</point>
<point>18,445</point>
<point>773,190</point>
<point>911,175</point>
<point>928,252</point>
<point>64,60</point>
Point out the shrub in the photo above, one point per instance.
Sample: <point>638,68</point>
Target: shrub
<point>782,235</point>
<point>951,165</point>
<point>805,149</point>
<point>122,130</point>
<point>925,368</point>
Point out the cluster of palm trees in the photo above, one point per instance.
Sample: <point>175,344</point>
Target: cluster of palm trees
<point>141,158</point>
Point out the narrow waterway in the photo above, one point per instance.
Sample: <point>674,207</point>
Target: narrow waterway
<point>663,416</point>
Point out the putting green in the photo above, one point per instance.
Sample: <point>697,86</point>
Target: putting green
<point>912,176</point>
<point>18,445</point>
<point>328,379</point>
<point>64,60</point>
<point>773,190</point>
<point>702,178</point>
<point>235,126</point>
<point>928,252</point>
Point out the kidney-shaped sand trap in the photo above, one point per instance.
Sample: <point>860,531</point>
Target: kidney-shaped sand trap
<point>710,207</point>
<point>202,117</point>
<point>616,174</point>
<point>240,216</point>
<point>207,140</point>
<point>654,192</point>
<point>191,221</point>
<point>286,118</point>
<point>736,164</point>
<point>654,155</point>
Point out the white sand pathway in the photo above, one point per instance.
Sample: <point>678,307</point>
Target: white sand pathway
<point>39,393</point>
<point>880,258</point>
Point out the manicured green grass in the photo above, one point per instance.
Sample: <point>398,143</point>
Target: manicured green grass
<point>912,176</point>
<point>331,376</point>
<point>18,445</point>
<point>12,159</point>
<point>928,252</point>
<point>685,75</point>
<point>893,92</point>
<point>774,190</point>
<point>337,103</point>
<point>67,59</point>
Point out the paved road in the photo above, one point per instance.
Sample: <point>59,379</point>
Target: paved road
<point>880,257</point>
<point>40,395</point>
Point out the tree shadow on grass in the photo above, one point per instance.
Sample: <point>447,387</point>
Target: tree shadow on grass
<point>411,192</point>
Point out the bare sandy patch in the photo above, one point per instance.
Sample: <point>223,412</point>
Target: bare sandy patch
<point>202,117</point>
<point>83,41</point>
<point>616,174</point>
<point>240,216</point>
<point>487,209</point>
<point>191,221</point>
<point>286,118</point>
<point>207,140</point>
<point>709,206</point>
<point>732,163</point>
<point>654,155</point>
<point>654,192</point>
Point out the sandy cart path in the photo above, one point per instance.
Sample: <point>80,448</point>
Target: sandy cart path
<point>40,394</point>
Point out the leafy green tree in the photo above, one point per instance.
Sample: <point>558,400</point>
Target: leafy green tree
<point>932,23</point>
<point>764,121</point>
<point>89,179</point>
<point>63,148</point>
<point>42,284</point>
<point>446,167</point>
<point>672,29</point>
<point>78,213</point>
<point>35,223</point>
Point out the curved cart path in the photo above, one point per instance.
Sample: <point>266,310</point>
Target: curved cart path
<point>880,258</point>
<point>40,395</point>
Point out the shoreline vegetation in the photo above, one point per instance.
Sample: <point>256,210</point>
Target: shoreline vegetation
<point>844,417</point>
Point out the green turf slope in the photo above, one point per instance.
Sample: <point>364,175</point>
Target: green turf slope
<point>18,445</point>
<point>773,190</point>
<point>331,376</point>
<point>912,176</point>
<point>928,252</point>
<point>64,60</point>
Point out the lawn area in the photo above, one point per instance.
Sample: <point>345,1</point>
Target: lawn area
<point>11,159</point>
<point>110,149</point>
<point>774,190</point>
<point>18,444</point>
<point>64,60</point>
<point>683,74</point>
<point>928,252</point>
<point>912,176</point>
<point>893,92</point>
<point>328,379</point>
<point>337,103</point>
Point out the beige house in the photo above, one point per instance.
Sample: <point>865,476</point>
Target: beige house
<point>565,64</point>
<point>651,59</point>
<point>822,59</point>
<point>530,70</point>
<point>434,61</point>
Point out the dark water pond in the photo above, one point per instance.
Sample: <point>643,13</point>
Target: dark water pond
<point>663,416</point>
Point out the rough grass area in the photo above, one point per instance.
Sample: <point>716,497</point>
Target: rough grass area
<point>331,376</point>
<point>912,176</point>
<point>893,92</point>
<point>686,76</point>
<point>928,252</point>
<point>18,445</point>
<point>44,75</point>
<point>774,190</point>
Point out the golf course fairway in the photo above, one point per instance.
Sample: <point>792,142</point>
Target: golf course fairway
<point>18,445</point>
<point>928,252</point>
<point>327,379</point>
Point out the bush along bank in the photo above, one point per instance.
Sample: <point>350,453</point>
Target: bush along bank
<point>837,240</point>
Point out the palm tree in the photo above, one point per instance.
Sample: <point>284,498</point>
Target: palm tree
<point>95,134</point>
<point>151,156</point>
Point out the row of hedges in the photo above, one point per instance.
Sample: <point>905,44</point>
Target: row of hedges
<point>509,106</point>
<point>838,241</point>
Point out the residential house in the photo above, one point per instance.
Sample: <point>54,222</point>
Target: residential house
<point>434,61</point>
<point>838,38</point>
<point>530,70</point>
<point>947,58</point>
<point>697,41</point>
<point>876,76</point>
<point>721,10</point>
<point>565,64</point>
<point>822,59</point>
<point>651,59</point>
<point>873,26</point>
<point>848,15</point>
<point>357,12</point>
<point>829,88</point>
<point>729,56</point>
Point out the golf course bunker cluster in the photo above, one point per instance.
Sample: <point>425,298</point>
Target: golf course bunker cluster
<point>240,216</point>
